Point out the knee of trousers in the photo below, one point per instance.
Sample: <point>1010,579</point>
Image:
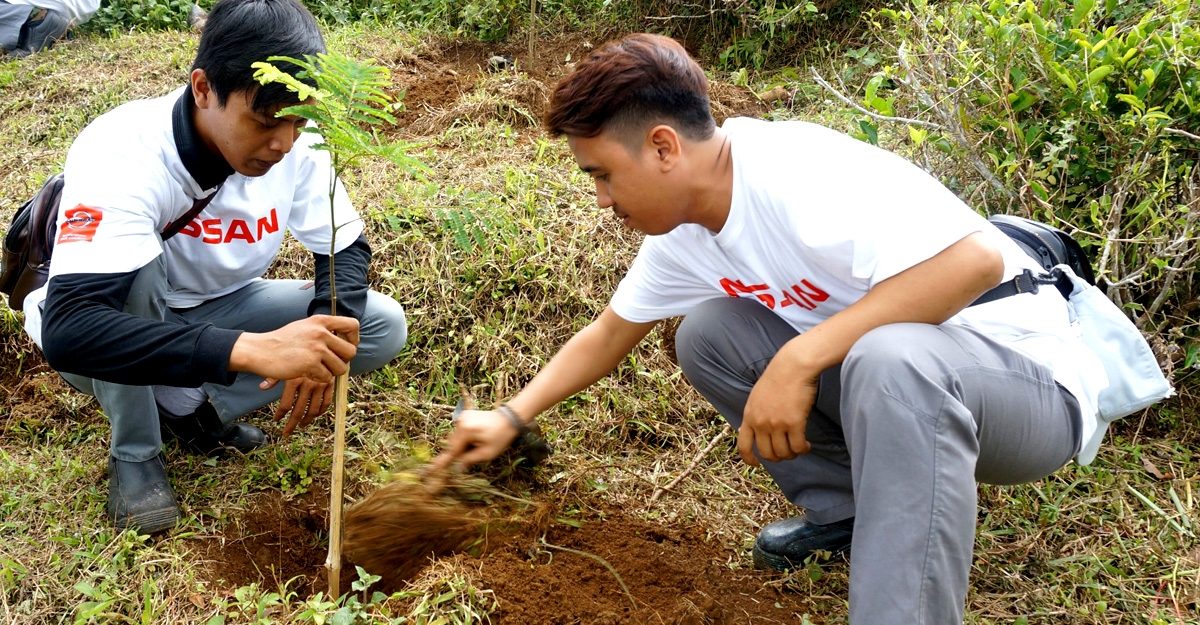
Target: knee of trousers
<point>899,359</point>
<point>382,334</point>
<point>706,332</point>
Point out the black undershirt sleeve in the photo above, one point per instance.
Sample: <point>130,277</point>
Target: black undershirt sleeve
<point>350,267</point>
<point>85,332</point>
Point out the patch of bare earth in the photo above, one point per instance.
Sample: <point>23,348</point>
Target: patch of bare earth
<point>609,570</point>
<point>29,388</point>
<point>436,78</point>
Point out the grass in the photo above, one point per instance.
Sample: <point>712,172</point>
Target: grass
<point>499,255</point>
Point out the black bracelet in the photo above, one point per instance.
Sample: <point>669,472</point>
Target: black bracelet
<point>512,416</point>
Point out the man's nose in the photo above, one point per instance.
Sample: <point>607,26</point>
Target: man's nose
<point>284,138</point>
<point>603,199</point>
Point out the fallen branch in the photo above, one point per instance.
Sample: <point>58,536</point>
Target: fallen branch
<point>695,463</point>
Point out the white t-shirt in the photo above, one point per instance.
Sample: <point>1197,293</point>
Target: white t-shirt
<point>125,183</point>
<point>817,219</point>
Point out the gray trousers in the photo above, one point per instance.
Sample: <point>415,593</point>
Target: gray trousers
<point>901,432</point>
<point>261,306</point>
<point>12,19</point>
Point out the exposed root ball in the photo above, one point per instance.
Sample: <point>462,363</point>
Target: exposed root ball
<point>393,531</point>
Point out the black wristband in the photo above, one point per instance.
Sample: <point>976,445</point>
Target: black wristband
<point>514,418</point>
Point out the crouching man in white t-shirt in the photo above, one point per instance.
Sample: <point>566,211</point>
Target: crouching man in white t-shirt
<point>179,336</point>
<point>824,285</point>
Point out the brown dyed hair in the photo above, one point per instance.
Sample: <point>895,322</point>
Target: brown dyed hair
<point>629,84</point>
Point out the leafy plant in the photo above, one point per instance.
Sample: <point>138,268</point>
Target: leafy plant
<point>126,15</point>
<point>1080,113</point>
<point>489,20</point>
<point>347,102</point>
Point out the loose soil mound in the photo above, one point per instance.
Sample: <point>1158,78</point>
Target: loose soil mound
<point>436,80</point>
<point>272,542</point>
<point>29,388</point>
<point>609,570</point>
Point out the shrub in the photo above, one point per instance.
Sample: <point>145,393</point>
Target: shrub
<point>126,15</point>
<point>745,33</point>
<point>1081,115</point>
<point>489,20</point>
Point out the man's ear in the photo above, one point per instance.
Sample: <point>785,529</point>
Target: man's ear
<point>666,145</point>
<point>202,91</point>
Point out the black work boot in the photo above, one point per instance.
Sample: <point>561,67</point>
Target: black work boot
<point>785,544</point>
<point>203,433</point>
<point>140,497</point>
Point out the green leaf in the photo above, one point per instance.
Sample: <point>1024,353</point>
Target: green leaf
<point>1099,74</point>
<point>1083,8</point>
<point>917,135</point>
<point>1021,100</point>
<point>870,132</point>
<point>344,616</point>
<point>1065,78</point>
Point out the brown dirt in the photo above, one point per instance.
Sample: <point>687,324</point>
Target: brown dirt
<point>29,388</point>
<point>538,573</point>
<point>436,78</point>
<point>672,573</point>
<point>273,541</point>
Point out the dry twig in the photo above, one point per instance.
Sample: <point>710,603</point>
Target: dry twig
<point>725,431</point>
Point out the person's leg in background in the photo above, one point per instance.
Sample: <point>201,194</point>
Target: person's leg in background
<point>39,29</point>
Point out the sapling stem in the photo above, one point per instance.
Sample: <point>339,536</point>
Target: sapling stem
<point>343,97</point>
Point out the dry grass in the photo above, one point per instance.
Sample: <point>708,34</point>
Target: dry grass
<point>499,255</point>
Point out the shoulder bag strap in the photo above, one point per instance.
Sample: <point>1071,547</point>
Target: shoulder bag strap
<point>1027,282</point>
<point>174,227</point>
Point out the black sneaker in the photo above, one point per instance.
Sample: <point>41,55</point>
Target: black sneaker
<point>203,433</point>
<point>140,497</point>
<point>785,544</point>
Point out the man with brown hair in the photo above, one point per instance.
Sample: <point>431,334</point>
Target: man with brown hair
<point>826,287</point>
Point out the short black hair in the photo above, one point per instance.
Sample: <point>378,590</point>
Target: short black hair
<point>240,32</point>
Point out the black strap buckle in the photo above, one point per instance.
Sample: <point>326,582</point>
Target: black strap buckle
<point>1028,282</point>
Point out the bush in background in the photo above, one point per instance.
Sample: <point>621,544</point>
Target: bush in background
<point>745,33</point>
<point>1079,114</point>
<point>488,20</point>
<point>117,16</point>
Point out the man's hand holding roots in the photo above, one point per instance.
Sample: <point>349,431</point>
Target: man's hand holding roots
<point>478,436</point>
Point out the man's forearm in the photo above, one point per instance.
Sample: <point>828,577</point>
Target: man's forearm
<point>590,355</point>
<point>86,332</point>
<point>930,292</point>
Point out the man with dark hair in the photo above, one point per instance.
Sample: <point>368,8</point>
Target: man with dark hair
<point>172,210</point>
<point>826,287</point>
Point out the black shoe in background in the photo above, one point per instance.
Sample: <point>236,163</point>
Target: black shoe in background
<point>203,433</point>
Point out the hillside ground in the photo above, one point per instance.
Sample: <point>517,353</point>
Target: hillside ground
<point>498,255</point>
